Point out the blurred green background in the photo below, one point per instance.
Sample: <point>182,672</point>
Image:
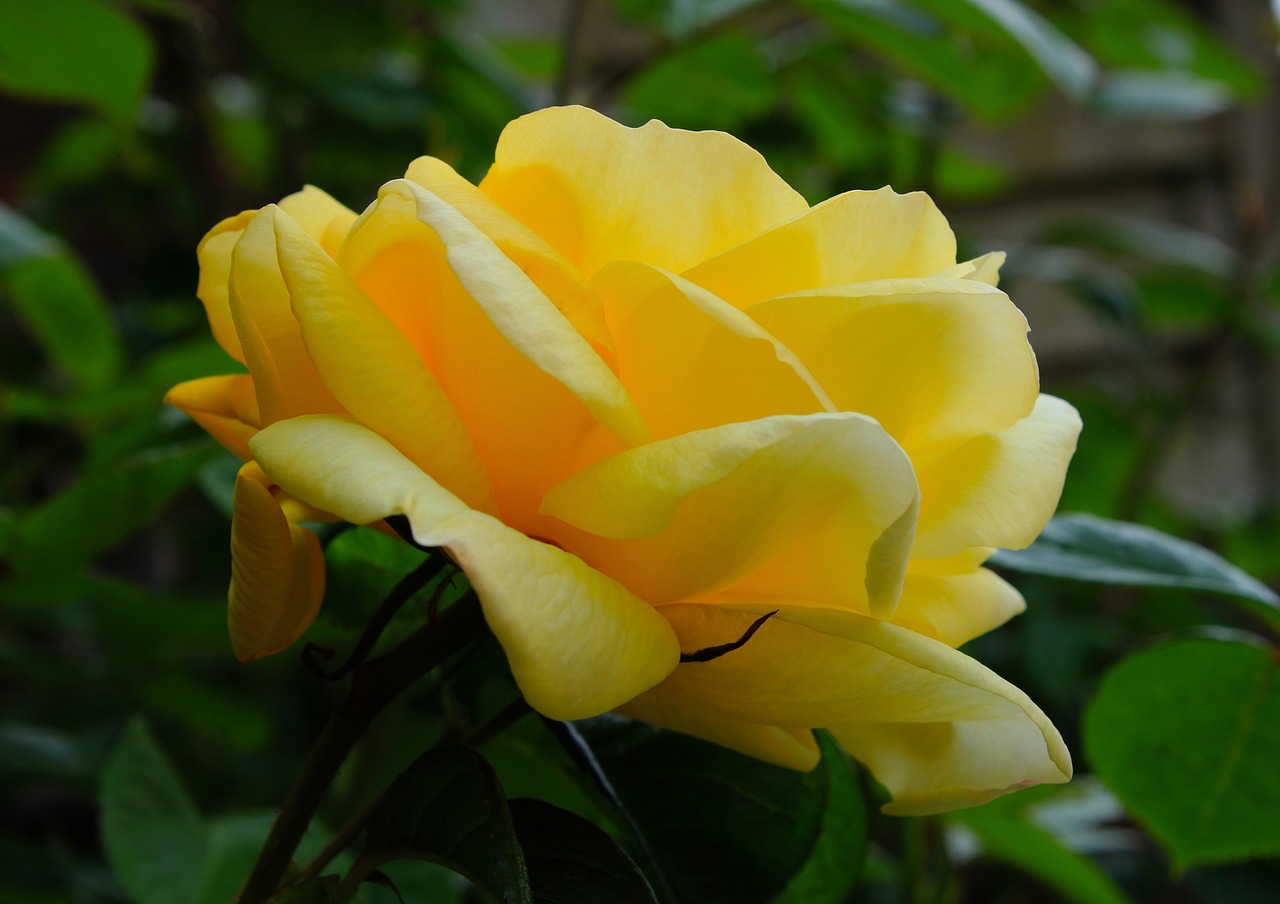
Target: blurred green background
<point>1124,153</point>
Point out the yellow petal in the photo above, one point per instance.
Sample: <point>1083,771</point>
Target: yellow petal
<point>819,507</point>
<point>666,707</point>
<point>935,361</point>
<point>559,280</point>
<point>691,361</point>
<point>598,191</point>
<point>224,406</point>
<point>955,608</point>
<point>937,728</point>
<point>277,572</point>
<point>999,489</point>
<point>374,371</point>
<point>536,399</point>
<point>985,268</point>
<point>284,378</point>
<point>214,256</point>
<point>855,237</point>
<point>579,643</point>
<point>320,216</point>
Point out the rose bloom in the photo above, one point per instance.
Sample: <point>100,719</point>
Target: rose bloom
<point>642,394</point>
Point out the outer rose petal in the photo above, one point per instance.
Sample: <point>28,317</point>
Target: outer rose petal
<point>224,406</point>
<point>855,237</point>
<point>985,268</point>
<point>955,608</point>
<point>599,192</point>
<point>373,370</point>
<point>879,688</point>
<point>820,507</point>
<point>1000,489</point>
<point>935,361</point>
<point>512,364</point>
<point>277,572</point>
<point>691,361</point>
<point>578,642</point>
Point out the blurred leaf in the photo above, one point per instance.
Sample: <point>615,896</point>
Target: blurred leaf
<point>1008,834</point>
<point>1178,298</point>
<point>33,750</point>
<point>680,19</point>
<point>84,150</point>
<point>573,861</point>
<point>79,51</point>
<point>21,240</point>
<point>234,842</point>
<point>362,565</point>
<point>314,43</point>
<point>154,838</point>
<point>1188,735</point>
<point>1149,240</point>
<point>1138,95</point>
<point>718,83</point>
<point>830,873</point>
<point>449,808</point>
<point>63,309</point>
<point>321,890</point>
<point>699,804</point>
<point>102,508</point>
<point>1069,65</point>
<point>1088,548</point>
<point>224,719</point>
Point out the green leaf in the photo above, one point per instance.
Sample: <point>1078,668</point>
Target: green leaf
<point>102,509</point>
<point>1148,240</point>
<point>1088,548</point>
<point>362,566</point>
<point>448,807</point>
<point>1188,736</point>
<point>153,836</point>
<point>20,239</point>
<point>1064,61</point>
<point>64,310</point>
<point>574,861</point>
<point>322,890</point>
<point>79,51</point>
<point>721,826</point>
<point>1008,833</point>
<point>835,861</point>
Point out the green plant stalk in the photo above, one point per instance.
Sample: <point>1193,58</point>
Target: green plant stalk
<point>375,685</point>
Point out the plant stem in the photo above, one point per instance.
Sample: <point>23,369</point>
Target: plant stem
<point>375,685</point>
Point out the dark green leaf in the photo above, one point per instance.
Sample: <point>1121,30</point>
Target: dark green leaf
<point>1088,548</point>
<point>63,309</point>
<point>102,508</point>
<point>574,861</point>
<point>80,51</point>
<point>449,808</point>
<point>21,240</point>
<point>322,890</point>
<point>835,861</point>
<point>718,83</point>
<point>1188,737</point>
<point>722,826</point>
<point>154,838</point>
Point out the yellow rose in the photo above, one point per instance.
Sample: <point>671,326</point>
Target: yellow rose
<point>643,394</point>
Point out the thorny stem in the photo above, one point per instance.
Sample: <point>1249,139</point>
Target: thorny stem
<point>375,685</point>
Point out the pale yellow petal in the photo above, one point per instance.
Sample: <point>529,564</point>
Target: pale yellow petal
<point>955,608</point>
<point>598,191</point>
<point>214,256</point>
<point>374,371</point>
<point>224,406</point>
<point>284,377</point>
<point>535,397</point>
<point>998,489</point>
<point>819,507</point>
<point>579,643</point>
<point>878,687</point>
<point>691,361</point>
<point>277,572</point>
<point>666,707</point>
<point>559,280</point>
<point>935,361</point>
<point>985,268</point>
<point>855,237</point>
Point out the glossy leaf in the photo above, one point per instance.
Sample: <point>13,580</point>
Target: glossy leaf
<point>1087,548</point>
<point>154,838</point>
<point>574,861</point>
<point>1188,735</point>
<point>448,807</point>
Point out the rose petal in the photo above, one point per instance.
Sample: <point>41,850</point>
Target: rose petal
<point>999,489</point>
<point>277,572</point>
<point>855,237</point>
<point>818,507</point>
<point>955,608</point>
<point>878,688</point>
<point>599,192</point>
<point>578,642</point>
<point>692,361</point>
<point>224,406</point>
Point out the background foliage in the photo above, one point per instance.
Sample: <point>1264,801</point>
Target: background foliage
<point>1122,150</point>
